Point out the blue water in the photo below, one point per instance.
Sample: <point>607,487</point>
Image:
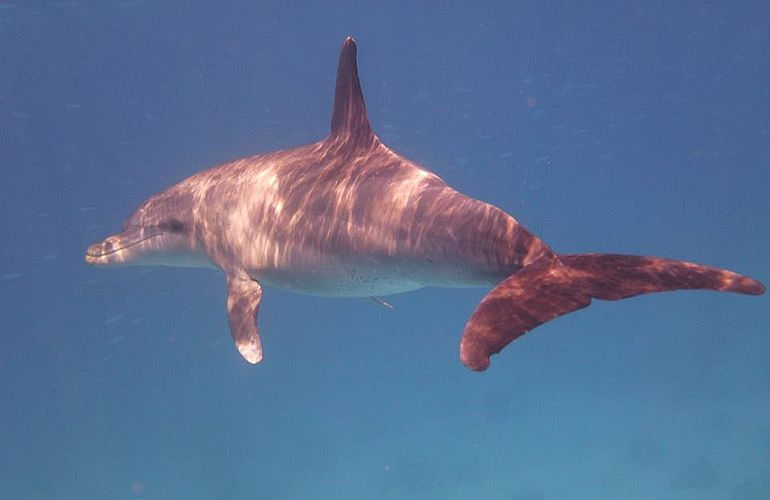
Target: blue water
<point>633,127</point>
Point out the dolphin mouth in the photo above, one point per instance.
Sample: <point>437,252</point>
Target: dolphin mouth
<point>96,250</point>
<point>99,253</point>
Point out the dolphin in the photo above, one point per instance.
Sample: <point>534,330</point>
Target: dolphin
<point>349,217</point>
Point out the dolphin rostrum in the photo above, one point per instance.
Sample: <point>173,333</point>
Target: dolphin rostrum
<point>349,217</point>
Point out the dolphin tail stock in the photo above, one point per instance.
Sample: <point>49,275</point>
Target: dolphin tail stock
<point>555,285</point>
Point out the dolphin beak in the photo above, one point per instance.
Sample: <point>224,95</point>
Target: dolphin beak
<point>116,249</point>
<point>105,251</point>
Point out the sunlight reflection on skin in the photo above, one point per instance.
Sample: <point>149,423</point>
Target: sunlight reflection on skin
<point>315,221</point>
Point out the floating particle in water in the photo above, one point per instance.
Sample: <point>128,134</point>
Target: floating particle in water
<point>113,319</point>
<point>531,102</point>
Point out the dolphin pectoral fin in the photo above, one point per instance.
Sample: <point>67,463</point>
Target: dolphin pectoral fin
<point>243,297</point>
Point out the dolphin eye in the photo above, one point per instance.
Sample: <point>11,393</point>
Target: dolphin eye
<point>172,225</point>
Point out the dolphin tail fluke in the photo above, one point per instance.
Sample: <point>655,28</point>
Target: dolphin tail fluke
<point>556,285</point>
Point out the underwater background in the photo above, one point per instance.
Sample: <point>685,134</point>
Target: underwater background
<point>632,127</point>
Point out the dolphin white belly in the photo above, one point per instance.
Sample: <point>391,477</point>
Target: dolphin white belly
<point>343,279</point>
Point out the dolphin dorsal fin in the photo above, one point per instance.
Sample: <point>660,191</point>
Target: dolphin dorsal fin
<point>349,120</point>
